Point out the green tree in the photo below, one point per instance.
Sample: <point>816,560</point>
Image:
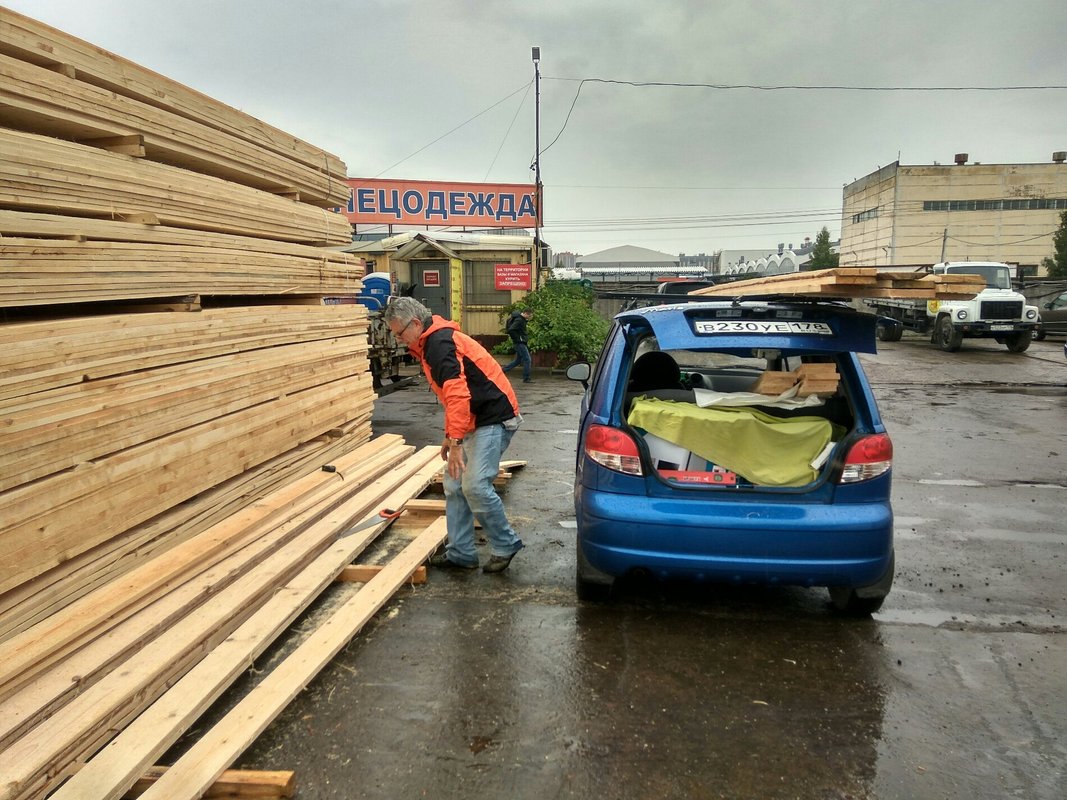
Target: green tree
<point>564,322</point>
<point>1057,265</point>
<point>822,257</point>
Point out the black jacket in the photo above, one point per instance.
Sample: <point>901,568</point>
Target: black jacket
<point>516,327</point>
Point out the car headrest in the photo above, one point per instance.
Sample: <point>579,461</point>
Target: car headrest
<point>654,370</point>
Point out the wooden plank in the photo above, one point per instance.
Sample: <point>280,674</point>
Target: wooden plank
<point>852,282</point>
<point>35,600</point>
<point>62,428</point>
<point>361,573</point>
<point>110,772</point>
<point>424,506</point>
<point>36,272</point>
<point>247,783</point>
<point>30,225</point>
<point>219,747</point>
<point>29,40</point>
<point>113,643</point>
<point>24,656</point>
<point>51,749</point>
<point>68,513</point>
<point>52,175</point>
<point>41,101</point>
<point>36,356</point>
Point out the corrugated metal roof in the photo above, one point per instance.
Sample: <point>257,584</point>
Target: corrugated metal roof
<point>627,254</point>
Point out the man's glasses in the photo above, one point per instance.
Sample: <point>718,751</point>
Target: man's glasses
<point>403,330</point>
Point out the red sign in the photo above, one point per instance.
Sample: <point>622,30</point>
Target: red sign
<point>483,205</point>
<point>512,276</point>
<point>431,277</point>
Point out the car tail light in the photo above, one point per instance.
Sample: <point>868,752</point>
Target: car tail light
<point>613,448</point>
<point>868,458</point>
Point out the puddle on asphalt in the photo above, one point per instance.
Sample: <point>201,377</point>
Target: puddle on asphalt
<point>939,618</point>
<point>1034,391</point>
<point>950,482</point>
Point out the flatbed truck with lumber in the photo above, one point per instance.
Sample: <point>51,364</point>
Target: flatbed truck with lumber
<point>997,312</point>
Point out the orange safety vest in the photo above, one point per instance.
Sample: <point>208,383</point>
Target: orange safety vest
<point>466,378</point>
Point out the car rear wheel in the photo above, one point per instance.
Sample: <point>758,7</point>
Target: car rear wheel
<point>851,604</point>
<point>862,601</point>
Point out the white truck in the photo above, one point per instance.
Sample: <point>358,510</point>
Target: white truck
<point>998,311</point>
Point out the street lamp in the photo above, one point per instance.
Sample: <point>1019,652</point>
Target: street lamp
<point>536,54</point>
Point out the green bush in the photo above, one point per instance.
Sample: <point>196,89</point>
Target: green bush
<point>564,322</point>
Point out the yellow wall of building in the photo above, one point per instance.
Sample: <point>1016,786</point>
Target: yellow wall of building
<point>901,232</point>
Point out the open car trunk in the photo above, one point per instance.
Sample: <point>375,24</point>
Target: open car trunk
<point>738,421</point>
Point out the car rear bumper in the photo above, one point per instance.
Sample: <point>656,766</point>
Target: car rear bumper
<point>788,543</point>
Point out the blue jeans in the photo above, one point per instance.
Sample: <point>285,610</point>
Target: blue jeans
<point>522,356</point>
<point>473,496</point>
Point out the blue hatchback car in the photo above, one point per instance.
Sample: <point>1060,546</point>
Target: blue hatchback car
<point>735,441</point>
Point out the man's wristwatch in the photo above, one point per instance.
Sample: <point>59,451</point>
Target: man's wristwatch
<point>454,442</point>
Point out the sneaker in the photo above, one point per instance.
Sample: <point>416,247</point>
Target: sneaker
<point>497,563</point>
<point>444,562</point>
<point>527,380</point>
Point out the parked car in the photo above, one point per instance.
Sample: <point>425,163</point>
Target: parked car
<point>736,442</point>
<point>1053,318</point>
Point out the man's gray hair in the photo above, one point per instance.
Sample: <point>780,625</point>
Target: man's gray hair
<point>403,310</point>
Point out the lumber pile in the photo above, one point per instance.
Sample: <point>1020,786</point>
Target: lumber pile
<point>816,378</point>
<point>180,357</point>
<point>850,282</point>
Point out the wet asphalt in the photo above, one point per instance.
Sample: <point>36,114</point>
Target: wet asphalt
<point>505,686</point>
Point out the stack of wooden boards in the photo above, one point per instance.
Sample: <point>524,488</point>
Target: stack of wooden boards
<point>174,375</point>
<point>849,282</point>
<point>816,378</point>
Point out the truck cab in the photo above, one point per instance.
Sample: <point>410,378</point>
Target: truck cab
<point>997,312</point>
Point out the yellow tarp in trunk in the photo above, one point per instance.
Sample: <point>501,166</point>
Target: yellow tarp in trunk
<point>766,450</point>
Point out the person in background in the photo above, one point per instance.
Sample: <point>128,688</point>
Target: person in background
<point>481,416</point>
<point>516,329</point>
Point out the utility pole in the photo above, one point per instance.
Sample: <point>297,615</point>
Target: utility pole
<point>536,53</point>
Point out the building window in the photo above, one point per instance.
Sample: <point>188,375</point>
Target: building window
<point>1014,204</point>
<point>870,213</point>
<point>479,285</point>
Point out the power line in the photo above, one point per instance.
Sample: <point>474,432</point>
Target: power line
<point>782,87</point>
<point>449,133</point>
<point>694,188</point>
<point>812,87</point>
<point>508,131</point>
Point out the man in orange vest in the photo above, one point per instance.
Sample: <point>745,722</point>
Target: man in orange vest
<point>481,416</point>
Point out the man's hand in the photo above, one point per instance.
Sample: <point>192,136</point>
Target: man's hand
<point>453,454</point>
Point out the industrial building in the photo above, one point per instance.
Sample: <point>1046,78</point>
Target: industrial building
<point>918,215</point>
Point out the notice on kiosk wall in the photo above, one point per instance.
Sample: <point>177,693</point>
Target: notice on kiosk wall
<point>512,277</point>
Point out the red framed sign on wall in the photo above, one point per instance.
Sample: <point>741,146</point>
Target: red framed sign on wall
<point>512,277</point>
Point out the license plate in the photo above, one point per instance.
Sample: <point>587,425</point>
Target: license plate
<point>1000,327</point>
<point>768,327</point>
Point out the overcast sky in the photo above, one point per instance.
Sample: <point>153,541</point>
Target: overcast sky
<point>443,90</point>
